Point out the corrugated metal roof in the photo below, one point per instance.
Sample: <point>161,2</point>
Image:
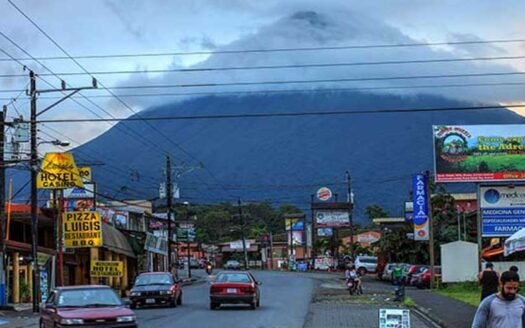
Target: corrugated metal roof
<point>115,241</point>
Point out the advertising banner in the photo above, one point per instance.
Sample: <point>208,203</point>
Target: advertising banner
<point>502,210</point>
<point>77,205</point>
<point>325,232</point>
<point>58,171</point>
<point>420,205</point>
<point>332,218</point>
<point>297,238</point>
<point>296,224</point>
<point>156,244</point>
<point>106,269</point>
<point>88,191</point>
<point>477,153</point>
<point>186,232</point>
<point>82,229</point>
<point>324,194</point>
<point>238,244</point>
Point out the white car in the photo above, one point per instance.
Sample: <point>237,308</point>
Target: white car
<point>365,264</point>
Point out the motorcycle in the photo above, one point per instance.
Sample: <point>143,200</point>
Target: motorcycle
<point>353,287</point>
<point>209,269</point>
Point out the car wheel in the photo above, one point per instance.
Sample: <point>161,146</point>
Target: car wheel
<point>179,300</point>
<point>214,306</point>
<point>253,305</point>
<point>258,303</point>
<point>132,305</point>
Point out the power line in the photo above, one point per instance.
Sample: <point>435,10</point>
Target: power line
<point>107,89</point>
<point>291,49</point>
<point>293,114</point>
<point>358,79</point>
<point>138,137</point>
<point>270,91</point>
<point>270,67</point>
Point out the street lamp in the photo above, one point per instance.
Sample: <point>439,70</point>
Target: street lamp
<point>55,142</point>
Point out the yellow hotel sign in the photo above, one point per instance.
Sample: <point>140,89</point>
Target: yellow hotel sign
<point>58,171</point>
<point>106,269</point>
<point>82,229</point>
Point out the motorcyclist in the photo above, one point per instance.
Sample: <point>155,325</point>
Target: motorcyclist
<point>209,267</point>
<point>352,274</point>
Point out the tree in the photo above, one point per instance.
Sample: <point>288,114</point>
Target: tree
<point>375,211</point>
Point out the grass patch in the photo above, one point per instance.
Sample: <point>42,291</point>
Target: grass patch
<point>409,302</point>
<point>465,292</point>
<point>468,292</point>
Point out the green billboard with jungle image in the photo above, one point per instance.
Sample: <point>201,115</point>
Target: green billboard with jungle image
<point>476,153</point>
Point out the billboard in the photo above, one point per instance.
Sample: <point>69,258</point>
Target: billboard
<point>502,210</point>
<point>297,238</point>
<point>296,224</point>
<point>332,218</point>
<point>477,153</point>
<point>420,207</point>
<point>82,229</point>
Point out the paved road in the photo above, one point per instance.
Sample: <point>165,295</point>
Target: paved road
<point>285,299</point>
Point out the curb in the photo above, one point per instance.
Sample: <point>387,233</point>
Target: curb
<point>427,313</point>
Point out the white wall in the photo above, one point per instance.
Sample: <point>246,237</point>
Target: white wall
<point>459,261</point>
<point>504,266</point>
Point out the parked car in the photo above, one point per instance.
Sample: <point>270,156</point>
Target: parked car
<point>387,272</point>
<point>238,287</point>
<point>232,265</point>
<point>423,280</point>
<point>156,288</point>
<point>365,264</point>
<point>413,274</point>
<point>88,305</point>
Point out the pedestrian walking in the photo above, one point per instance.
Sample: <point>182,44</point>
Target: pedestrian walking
<point>505,309</point>
<point>489,281</point>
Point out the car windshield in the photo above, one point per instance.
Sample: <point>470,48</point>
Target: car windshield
<point>153,279</point>
<point>88,297</point>
<point>233,277</point>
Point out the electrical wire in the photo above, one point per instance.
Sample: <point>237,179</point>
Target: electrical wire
<point>291,49</point>
<point>295,114</point>
<point>283,91</point>
<point>107,89</point>
<point>272,67</point>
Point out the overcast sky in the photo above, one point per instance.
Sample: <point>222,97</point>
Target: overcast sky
<point>105,27</point>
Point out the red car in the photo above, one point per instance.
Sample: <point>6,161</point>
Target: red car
<point>87,306</point>
<point>156,288</point>
<point>424,278</point>
<point>238,287</point>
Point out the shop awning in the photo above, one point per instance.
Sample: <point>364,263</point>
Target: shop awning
<point>115,241</point>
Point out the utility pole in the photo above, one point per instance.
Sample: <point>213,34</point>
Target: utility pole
<point>3,294</point>
<point>430,229</point>
<point>34,170</point>
<point>349,200</point>
<point>189,253</point>
<point>168,208</point>
<point>242,234</point>
<point>34,199</point>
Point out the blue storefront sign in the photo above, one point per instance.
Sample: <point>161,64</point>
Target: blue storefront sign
<point>420,201</point>
<point>502,222</point>
<point>502,210</point>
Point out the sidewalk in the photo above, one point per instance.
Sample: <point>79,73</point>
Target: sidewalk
<point>445,311</point>
<point>333,307</point>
